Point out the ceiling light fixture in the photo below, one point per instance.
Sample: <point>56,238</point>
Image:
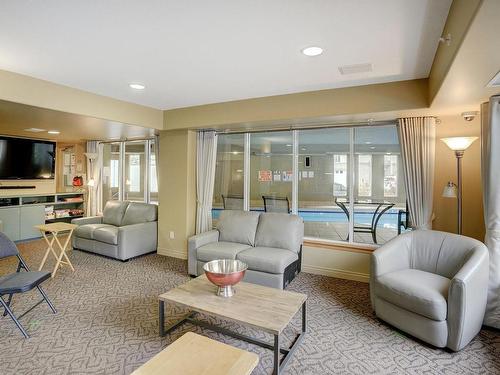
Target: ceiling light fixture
<point>34,130</point>
<point>137,86</point>
<point>312,51</point>
<point>55,132</point>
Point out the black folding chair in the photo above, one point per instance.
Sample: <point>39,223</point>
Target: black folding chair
<point>19,282</point>
<point>276,204</point>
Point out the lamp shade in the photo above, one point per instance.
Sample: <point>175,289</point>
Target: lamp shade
<point>459,143</point>
<point>450,190</point>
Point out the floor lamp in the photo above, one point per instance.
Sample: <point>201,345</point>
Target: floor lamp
<point>452,190</point>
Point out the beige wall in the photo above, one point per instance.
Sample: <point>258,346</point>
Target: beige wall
<point>36,92</point>
<point>394,96</point>
<point>445,209</point>
<point>177,194</point>
<point>460,17</point>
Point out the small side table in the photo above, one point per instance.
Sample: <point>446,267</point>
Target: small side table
<point>55,229</point>
<point>193,354</point>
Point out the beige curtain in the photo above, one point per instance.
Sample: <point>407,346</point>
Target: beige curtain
<point>417,136</point>
<point>490,160</point>
<point>206,153</point>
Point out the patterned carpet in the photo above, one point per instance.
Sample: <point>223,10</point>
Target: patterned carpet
<point>107,324</point>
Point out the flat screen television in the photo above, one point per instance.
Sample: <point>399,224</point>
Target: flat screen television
<point>29,159</point>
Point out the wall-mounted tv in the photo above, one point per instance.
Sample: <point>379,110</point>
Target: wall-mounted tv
<point>22,158</point>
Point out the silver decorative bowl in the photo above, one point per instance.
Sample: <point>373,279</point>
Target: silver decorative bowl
<point>225,273</point>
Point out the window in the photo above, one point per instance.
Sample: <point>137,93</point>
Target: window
<point>337,179</point>
<point>390,175</point>
<point>365,175</point>
<point>340,175</point>
<point>115,173</point>
<point>271,165</point>
<point>229,176</point>
<point>125,175</point>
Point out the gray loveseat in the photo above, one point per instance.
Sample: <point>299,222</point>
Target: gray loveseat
<point>432,285</point>
<point>124,231</point>
<point>269,243</point>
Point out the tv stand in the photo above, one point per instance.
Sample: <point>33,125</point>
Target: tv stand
<point>15,187</point>
<point>20,213</point>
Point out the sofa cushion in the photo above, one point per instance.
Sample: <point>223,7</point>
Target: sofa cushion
<point>139,213</point>
<point>267,259</point>
<point>87,230</point>
<point>107,234</point>
<point>113,212</point>
<point>417,291</point>
<point>238,226</point>
<point>279,230</point>
<point>219,250</point>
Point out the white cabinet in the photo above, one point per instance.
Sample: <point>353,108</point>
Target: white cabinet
<point>10,217</point>
<point>29,217</point>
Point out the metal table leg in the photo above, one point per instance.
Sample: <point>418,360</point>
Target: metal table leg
<point>161,318</point>
<point>277,362</point>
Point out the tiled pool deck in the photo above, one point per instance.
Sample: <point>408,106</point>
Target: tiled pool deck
<point>338,232</point>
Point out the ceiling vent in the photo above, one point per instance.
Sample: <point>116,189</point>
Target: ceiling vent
<point>355,69</point>
<point>495,81</point>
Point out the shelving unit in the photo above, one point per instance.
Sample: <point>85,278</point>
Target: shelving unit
<point>20,214</point>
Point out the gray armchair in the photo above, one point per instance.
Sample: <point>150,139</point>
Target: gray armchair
<point>432,285</point>
<point>126,230</point>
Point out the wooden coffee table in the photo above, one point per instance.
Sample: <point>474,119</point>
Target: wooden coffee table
<point>267,309</point>
<point>212,358</point>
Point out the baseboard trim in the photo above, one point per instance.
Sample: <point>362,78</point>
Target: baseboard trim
<point>333,272</point>
<point>180,254</point>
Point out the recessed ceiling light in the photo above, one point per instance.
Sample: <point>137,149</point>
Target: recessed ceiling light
<point>54,132</point>
<point>372,148</point>
<point>288,145</point>
<point>34,130</point>
<point>137,86</point>
<point>368,142</point>
<point>312,51</point>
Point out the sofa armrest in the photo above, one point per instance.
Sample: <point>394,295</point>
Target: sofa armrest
<point>394,255</point>
<point>196,242</point>
<point>467,297</point>
<point>137,239</point>
<point>87,220</point>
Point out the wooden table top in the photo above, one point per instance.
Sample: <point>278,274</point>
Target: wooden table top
<point>265,308</point>
<point>56,227</point>
<point>193,354</point>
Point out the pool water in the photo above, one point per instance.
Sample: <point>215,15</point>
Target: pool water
<point>388,219</point>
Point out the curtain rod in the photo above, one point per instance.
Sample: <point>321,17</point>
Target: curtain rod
<point>304,127</point>
<point>128,140</point>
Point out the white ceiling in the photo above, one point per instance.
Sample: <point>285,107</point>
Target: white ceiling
<point>199,52</point>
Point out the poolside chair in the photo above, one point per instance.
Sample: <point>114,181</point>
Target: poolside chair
<point>232,202</point>
<point>276,204</point>
<point>404,223</point>
<point>19,282</point>
<point>380,209</point>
